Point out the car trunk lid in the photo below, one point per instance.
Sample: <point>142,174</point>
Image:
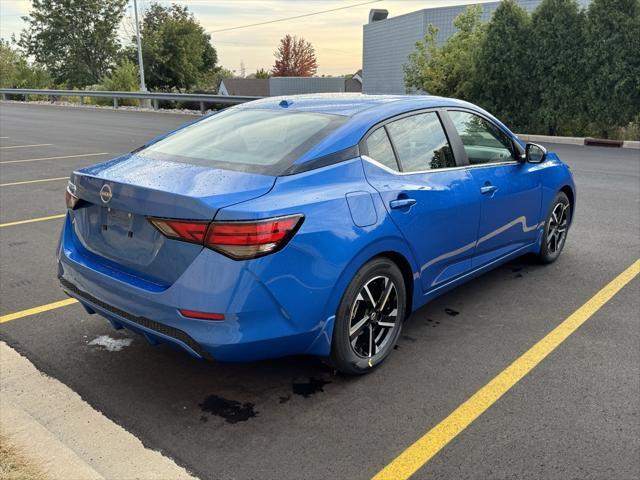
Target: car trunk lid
<point>118,197</point>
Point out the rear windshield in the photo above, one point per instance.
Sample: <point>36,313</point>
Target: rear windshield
<point>258,141</point>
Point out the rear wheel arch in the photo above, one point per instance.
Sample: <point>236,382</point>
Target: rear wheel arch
<point>396,250</point>
<point>407,274</point>
<point>568,191</point>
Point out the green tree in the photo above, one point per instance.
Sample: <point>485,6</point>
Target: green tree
<point>613,60</point>
<point>503,66</point>
<point>557,61</point>
<point>8,65</point>
<point>17,72</point>
<point>448,70</point>
<point>262,73</point>
<point>211,82</point>
<point>124,78</point>
<point>75,39</point>
<point>176,49</point>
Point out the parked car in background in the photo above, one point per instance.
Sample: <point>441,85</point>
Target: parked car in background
<point>310,224</point>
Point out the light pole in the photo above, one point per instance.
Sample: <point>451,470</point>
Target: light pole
<point>143,87</point>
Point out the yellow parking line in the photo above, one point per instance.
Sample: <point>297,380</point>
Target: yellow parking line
<point>33,181</point>
<point>32,220</point>
<point>27,146</point>
<point>52,158</point>
<point>35,310</point>
<point>418,454</point>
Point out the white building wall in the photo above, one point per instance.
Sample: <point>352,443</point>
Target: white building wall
<point>387,43</point>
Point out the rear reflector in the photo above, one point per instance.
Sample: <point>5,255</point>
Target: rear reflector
<point>239,240</point>
<point>201,315</point>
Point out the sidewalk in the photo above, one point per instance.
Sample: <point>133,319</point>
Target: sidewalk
<point>64,436</point>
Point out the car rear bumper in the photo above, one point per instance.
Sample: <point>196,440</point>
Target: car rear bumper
<point>256,325</point>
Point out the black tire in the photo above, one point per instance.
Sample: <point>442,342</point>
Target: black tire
<point>556,228</point>
<point>359,347</point>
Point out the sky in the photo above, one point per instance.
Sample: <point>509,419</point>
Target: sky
<point>336,36</point>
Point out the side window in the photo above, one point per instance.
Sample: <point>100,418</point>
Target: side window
<point>379,148</point>
<point>421,143</point>
<point>482,140</point>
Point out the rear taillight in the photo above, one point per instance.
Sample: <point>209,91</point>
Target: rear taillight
<point>239,240</point>
<point>180,230</point>
<point>70,195</point>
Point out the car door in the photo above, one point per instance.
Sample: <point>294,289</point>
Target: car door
<point>431,199</point>
<point>511,190</point>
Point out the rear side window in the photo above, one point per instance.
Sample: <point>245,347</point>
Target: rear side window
<point>482,140</point>
<point>421,143</point>
<point>258,141</point>
<point>379,148</point>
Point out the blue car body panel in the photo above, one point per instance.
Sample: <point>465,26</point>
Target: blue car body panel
<point>121,267</point>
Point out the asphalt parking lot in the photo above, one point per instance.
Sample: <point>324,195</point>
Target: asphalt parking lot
<point>576,415</point>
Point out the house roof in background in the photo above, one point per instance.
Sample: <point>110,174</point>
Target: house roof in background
<point>252,87</point>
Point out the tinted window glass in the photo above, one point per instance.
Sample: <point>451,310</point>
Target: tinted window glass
<point>421,143</point>
<point>379,148</point>
<point>483,141</point>
<point>260,141</point>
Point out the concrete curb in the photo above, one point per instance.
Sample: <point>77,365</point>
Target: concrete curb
<point>569,140</point>
<point>52,425</point>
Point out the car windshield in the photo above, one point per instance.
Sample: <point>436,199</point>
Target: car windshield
<point>258,141</point>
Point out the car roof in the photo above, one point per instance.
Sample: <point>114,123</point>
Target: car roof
<point>365,111</point>
<point>351,104</point>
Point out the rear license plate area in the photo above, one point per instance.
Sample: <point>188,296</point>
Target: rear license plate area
<point>118,220</point>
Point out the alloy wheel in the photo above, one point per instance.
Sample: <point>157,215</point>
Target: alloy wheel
<point>557,227</point>
<point>374,316</point>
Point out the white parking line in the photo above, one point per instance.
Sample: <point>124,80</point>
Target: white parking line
<point>33,181</point>
<point>53,158</point>
<point>27,146</point>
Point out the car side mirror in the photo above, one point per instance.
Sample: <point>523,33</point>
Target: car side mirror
<point>535,153</point>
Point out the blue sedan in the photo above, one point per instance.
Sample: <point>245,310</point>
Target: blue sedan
<point>310,224</point>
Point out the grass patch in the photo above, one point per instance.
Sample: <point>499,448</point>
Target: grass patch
<point>14,465</point>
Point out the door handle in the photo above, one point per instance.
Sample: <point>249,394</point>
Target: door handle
<point>488,189</point>
<point>402,202</point>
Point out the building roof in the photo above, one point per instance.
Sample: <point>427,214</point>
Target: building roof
<point>257,87</point>
<point>246,87</point>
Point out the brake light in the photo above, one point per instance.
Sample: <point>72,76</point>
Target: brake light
<point>240,240</point>
<point>70,195</point>
<point>181,230</point>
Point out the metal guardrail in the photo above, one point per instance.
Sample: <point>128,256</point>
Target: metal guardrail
<point>202,99</point>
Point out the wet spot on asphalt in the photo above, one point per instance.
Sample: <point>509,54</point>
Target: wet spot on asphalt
<point>15,244</point>
<point>408,338</point>
<point>451,311</point>
<point>20,283</point>
<point>313,386</point>
<point>231,410</point>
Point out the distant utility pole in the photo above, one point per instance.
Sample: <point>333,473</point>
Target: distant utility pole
<point>143,87</point>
